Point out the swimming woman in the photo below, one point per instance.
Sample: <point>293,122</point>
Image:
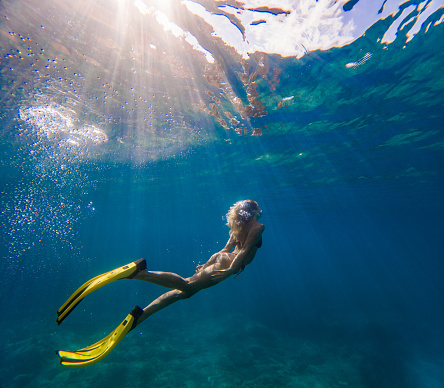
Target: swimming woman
<point>245,238</point>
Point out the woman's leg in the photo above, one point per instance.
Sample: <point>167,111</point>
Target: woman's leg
<point>182,288</point>
<point>161,302</point>
<point>201,279</point>
<point>164,279</point>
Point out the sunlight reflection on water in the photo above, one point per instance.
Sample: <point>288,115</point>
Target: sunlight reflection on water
<point>54,121</point>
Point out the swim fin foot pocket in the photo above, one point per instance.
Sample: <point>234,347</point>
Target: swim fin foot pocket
<point>96,352</point>
<point>126,272</point>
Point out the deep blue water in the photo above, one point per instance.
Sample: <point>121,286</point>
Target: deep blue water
<point>347,289</point>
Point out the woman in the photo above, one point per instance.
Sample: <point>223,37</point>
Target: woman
<point>245,239</point>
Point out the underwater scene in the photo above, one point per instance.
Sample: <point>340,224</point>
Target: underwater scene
<point>129,128</point>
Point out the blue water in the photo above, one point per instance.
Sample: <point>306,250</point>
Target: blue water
<point>347,289</point>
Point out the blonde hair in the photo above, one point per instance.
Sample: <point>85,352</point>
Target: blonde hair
<point>240,214</point>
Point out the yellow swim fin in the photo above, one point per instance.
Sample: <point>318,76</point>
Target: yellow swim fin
<point>94,353</point>
<point>126,272</point>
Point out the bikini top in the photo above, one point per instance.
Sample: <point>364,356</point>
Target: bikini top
<point>259,243</point>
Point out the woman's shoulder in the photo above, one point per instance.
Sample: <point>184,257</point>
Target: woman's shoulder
<point>257,229</point>
<point>260,227</point>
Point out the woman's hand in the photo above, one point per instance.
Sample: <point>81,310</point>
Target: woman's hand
<point>199,268</point>
<point>221,274</point>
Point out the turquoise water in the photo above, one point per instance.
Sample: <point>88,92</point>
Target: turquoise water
<point>121,139</point>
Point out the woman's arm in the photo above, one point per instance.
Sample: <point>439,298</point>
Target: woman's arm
<point>231,243</point>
